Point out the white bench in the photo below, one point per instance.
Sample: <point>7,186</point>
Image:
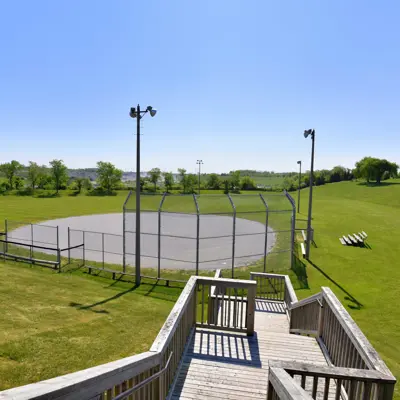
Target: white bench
<point>303,249</point>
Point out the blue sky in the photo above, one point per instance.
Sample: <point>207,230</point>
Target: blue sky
<point>235,82</point>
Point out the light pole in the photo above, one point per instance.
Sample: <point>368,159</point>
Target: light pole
<point>199,163</point>
<point>136,113</point>
<point>298,197</point>
<point>306,134</point>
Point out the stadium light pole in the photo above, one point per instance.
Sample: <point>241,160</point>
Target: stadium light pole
<point>298,197</point>
<point>138,114</point>
<point>199,163</point>
<point>306,134</point>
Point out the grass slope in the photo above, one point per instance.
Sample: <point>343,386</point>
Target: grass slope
<point>53,324</point>
<point>367,281</point>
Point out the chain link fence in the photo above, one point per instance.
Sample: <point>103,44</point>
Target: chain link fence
<point>37,244</point>
<point>199,233</point>
<point>181,234</point>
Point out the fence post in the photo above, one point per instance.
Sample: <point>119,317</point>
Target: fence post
<point>59,259</point>
<point>83,240</point>
<point>102,248</point>
<point>293,227</point>
<point>197,233</point>
<point>69,245</point>
<point>266,232</point>
<point>6,232</point>
<point>233,235</point>
<point>123,240</point>
<point>32,242</point>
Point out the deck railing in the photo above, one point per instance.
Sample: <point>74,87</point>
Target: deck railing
<point>325,382</point>
<point>148,376</point>
<point>354,365</point>
<point>274,287</point>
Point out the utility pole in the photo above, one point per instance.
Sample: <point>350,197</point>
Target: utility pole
<point>136,113</point>
<point>298,197</point>
<point>308,244</point>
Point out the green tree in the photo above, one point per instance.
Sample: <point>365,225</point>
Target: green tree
<point>10,171</point>
<point>80,183</point>
<point>183,178</point>
<point>191,183</point>
<point>373,169</point>
<point>44,180</point>
<point>168,180</point>
<point>235,180</point>
<point>338,174</point>
<point>143,182</point>
<point>19,182</point>
<point>59,173</point>
<point>213,182</point>
<point>227,183</point>
<point>108,175</point>
<point>34,171</point>
<point>246,183</point>
<point>155,175</point>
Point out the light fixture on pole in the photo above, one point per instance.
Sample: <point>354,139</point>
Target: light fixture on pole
<point>298,197</point>
<point>199,163</point>
<point>306,134</point>
<point>138,114</point>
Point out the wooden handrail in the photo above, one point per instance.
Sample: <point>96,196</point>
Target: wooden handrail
<point>282,386</point>
<point>334,372</point>
<point>125,394</point>
<point>314,298</point>
<point>164,336</point>
<point>363,346</point>
<point>88,383</point>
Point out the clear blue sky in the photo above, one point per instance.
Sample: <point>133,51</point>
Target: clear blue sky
<point>235,82</point>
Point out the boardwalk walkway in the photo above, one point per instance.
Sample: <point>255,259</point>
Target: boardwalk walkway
<point>234,366</point>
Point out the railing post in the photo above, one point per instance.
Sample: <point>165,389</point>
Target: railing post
<point>251,306</point>
<point>388,391</point>
<point>321,318</point>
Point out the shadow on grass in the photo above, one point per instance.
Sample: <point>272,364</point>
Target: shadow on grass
<point>299,268</point>
<point>374,184</point>
<point>356,304</point>
<point>90,307</point>
<point>101,192</point>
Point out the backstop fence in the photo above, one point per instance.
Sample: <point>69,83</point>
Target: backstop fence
<point>199,233</point>
<point>180,235</point>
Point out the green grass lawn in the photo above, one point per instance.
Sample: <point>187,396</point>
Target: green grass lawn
<point>370,277</point>
<point>53,324</point>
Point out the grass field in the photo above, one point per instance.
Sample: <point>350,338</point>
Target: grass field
<point>52,324</point>
<point>45,318</point>
<point>367,281</point>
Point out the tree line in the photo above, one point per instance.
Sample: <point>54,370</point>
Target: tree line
<point>55,176</point>
<point>370,169</point>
